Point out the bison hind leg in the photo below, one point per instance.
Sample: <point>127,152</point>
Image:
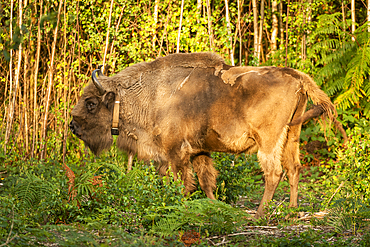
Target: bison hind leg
<point>207,174</point>
<point>270,161</point>
<point>188,178</point>
<point>291,163</point>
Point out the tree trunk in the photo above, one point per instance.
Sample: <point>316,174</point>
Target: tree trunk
<point>228,26</point>
<point>10,114</point>
<point>65,85</point>
<point>286,35</point>
<point>199,10</point>
<point>210,33</point>
<point>262,12</point>
<point>240,34</point>
<point>180,25</point>
<point>353,17</point>
<point>107,37</point>
<point>155,17</point>
<point>368,15</point>
<point>17,73</point>
<point>255,27</point>
<point>303,51</point>
<point>35,108</point>
<point>26,94</point>
<point>281,25</point>
<point>165,27</point>
<point>49,88</point>
<point>275,26</point>
<point>113,48</point>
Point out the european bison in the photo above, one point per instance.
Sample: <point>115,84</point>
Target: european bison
<point>179,108</point>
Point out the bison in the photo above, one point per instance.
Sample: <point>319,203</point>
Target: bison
<point>178,109</point>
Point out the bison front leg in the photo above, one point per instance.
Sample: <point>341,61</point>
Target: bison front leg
<point>207,174</point>
<point>129,162</point>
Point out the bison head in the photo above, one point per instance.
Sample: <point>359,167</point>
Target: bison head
<point>92,116</point>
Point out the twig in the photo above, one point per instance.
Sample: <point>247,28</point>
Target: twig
<point>281,202</point>
<point>8,240</point>
<point>283,177</point>
<point>331,198</point>
<point>238,234</point>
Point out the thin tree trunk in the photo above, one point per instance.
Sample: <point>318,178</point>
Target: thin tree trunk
<point>35,108</point>
<point>65,85</point>
<point>10,115</point>
<point>240,35</point>
<point>199,10</point>
<point>228,26</point>
<point>275,26</point>
<point>18,70</point>
<point>26,96</point>
<point>156,7</point>
<point>112,48</point>
<point>353,17</point>
<point>281,25</point>
<point>50,85</point>
<point>180,25</point>
<point>255,27</point>
<point>368,15</point>
<point>303,51</point>
<point>107,37</point>
<point>286,35</point>
<point>261,30</point>
<point>165,27</point>
<point>210,32</point>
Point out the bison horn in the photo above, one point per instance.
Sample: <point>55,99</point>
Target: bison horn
<point>100,73</point>
<point>96,82</point>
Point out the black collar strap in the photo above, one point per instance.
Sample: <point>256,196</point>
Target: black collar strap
<point>115,122</point>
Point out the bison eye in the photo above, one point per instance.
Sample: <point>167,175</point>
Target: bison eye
<point>91,104</point>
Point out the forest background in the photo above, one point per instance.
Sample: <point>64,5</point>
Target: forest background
<point>50,48</point>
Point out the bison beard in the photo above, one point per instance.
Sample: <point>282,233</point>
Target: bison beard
<point>179,108</point>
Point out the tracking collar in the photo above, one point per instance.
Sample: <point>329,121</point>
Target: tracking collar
<point>115,122</point>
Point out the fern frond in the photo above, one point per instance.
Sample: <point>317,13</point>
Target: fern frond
<point>31,190</point>
<point>167,226</point>
<point>366,105</point>
<point>335,86</point>
<point>133,177</point>
<point>359,70</point>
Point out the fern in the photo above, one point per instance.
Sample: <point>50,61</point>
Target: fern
<point>215,216</point>
<point>345,63</point>
<point>31,190</point>
<point>348,214</point>
<point>167,226</point>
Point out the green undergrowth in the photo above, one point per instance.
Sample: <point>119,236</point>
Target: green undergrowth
<point>109,206</point>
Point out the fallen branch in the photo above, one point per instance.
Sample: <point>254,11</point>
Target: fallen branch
<point>281,202</point>
<point>8,240</point>
<point>331,198</point>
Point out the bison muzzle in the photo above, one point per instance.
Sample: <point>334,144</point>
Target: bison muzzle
<point>178,109</point>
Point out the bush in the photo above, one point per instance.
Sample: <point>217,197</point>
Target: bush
<point>353,163</point>
<point>239,175</point>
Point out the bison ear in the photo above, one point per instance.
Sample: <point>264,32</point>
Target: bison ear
<point>108,100</point>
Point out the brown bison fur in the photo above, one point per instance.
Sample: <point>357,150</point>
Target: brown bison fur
<point>179,108</point>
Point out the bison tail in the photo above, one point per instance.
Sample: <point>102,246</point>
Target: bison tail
<point>322,106</point>
<point>315,111</point>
